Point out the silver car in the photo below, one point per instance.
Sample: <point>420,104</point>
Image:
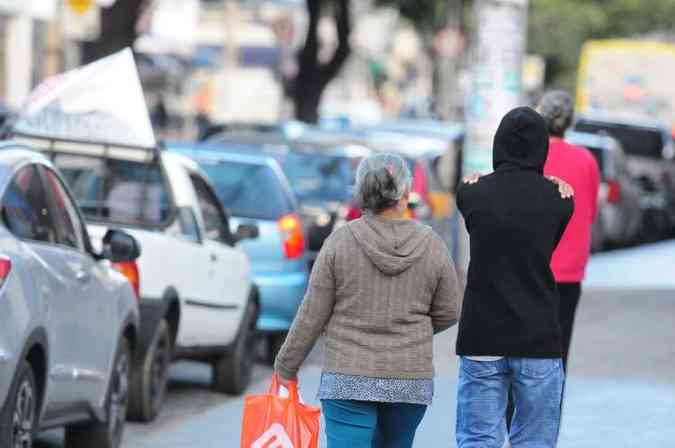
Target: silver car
<point>69,321</point>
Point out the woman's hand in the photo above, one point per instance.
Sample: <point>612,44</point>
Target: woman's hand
<point>565,189</point>
<point>286,383</point>
<point>472,178</point>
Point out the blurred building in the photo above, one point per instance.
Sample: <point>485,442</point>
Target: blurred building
<point>24,47</point>
<point>40,38</point>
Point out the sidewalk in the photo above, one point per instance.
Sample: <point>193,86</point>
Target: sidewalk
<point>645,267</point>
<point>621,388</point>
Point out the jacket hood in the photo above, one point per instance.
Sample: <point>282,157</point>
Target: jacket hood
<point>392,246</point>
<point>521,140</point>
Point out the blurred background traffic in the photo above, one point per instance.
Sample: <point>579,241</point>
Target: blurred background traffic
<point>335,80</point>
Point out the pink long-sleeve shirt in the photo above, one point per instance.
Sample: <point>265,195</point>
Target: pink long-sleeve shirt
<point>578,167</point>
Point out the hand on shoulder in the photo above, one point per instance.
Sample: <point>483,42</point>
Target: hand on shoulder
<point>472,178</point>
<point>565,189</point>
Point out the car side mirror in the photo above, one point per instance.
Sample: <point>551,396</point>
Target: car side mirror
<point>247,232</point>
<point>120,247</point>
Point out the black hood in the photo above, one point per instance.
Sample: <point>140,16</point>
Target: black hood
<point>521,140</point>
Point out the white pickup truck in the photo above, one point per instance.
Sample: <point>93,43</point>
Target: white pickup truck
<point>197,299</point>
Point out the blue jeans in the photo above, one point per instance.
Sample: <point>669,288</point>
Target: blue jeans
<point>482,397</point>
<point>363,424</point>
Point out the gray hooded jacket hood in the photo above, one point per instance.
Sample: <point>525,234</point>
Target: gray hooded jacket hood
<point>392,246</point>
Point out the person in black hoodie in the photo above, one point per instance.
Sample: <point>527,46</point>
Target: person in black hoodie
<point>509,335</point>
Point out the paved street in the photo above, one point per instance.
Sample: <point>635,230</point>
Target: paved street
<point>621,389</point>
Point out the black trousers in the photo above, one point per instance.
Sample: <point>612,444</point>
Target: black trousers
<point>570,293</point>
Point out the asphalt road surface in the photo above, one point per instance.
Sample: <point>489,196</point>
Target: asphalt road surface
<point>620,392</point>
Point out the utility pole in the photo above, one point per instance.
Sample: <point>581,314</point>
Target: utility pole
<point>496,60</point>
<point>449,48</point>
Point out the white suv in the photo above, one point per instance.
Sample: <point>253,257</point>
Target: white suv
<point>197,299</point>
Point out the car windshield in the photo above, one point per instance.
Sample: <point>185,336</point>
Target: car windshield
<point>249,190</point>
<point>636,140</point>
<point>320,177</point>
<point>120,191</point>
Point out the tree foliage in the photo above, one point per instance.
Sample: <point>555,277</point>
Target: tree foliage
<point>427,16</point>
<point>559,28</point>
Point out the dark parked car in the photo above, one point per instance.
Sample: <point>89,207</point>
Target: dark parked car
<point>620,215</point>
<point>650,158</point>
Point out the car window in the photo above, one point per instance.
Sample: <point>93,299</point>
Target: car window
<point>188,224</point>
<point>24,207</point>
<point>635,140</point>
<point>215,225</point>
<point>318,176</point>
<point>69,229</point>
<point>121,191</point>
<point>249,191</point>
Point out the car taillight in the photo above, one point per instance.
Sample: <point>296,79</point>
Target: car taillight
<point>613,192</point>
<point>293,239</point>
<point>129,269</point>
<point>5,269</point>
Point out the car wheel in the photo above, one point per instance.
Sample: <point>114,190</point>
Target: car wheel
<point>232,372</point>
<point>150,377</point>
<point>107,433</point>
<point>18,424</point>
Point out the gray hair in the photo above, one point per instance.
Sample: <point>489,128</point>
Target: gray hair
<point>557,108</point>
<point>381,181</point>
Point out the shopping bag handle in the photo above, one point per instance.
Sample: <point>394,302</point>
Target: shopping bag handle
<point>292,388</point>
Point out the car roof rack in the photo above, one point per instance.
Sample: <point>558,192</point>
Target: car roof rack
<point>52,146</point>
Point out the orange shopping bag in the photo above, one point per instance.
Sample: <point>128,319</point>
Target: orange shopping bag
<point>274,422</point>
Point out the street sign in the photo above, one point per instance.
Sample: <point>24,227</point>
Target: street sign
<point>80,6</point>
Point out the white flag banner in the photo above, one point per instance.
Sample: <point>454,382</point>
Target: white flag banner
<point>101,102</point>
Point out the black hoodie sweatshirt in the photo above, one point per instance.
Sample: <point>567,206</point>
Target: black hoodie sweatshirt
<point>515,218</point>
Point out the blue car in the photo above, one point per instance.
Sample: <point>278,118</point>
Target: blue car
<point>254,190</point>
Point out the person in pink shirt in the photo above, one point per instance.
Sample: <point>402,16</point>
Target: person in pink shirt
<point>578,167</point>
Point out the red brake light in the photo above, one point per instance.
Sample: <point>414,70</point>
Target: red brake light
<point>293,239</point>
<point>613,192</point>
<point>130,270</point>
<point>5,269</point>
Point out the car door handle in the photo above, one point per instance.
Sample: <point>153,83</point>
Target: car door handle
<point>214,258</point>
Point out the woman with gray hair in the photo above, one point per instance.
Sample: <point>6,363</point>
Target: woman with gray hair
<point>381,287</point>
